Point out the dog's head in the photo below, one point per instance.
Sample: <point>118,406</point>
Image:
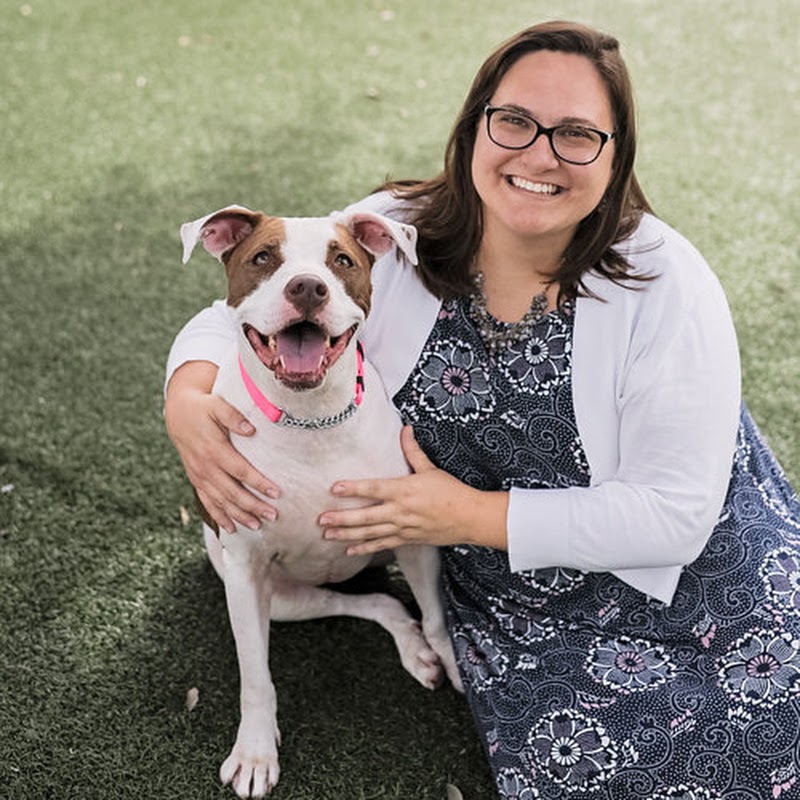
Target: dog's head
<point>301,287</point>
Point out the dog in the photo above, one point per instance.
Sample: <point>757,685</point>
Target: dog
<point>300,289</point>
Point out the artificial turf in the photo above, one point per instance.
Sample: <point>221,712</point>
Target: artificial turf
<point>121,121</point>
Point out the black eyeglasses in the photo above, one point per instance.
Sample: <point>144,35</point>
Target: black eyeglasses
<point>515,130</point>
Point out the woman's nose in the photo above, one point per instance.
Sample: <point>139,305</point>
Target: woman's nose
<point>540,152</point>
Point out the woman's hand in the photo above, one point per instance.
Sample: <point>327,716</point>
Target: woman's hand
<point>428,507</point>
<point>199,425</point>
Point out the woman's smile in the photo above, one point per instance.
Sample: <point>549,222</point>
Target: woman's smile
<point>533,186</point>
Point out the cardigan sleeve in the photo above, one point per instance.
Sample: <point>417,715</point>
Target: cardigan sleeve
<point>206,337</point>
<point>672,424</point>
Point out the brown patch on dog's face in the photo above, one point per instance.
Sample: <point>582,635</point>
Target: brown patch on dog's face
<point>255,258</point>
<point>351,263</point>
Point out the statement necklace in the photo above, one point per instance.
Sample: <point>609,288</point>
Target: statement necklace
<point>497,336</point>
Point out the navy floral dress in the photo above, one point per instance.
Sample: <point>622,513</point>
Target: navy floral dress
<point>580,686</point>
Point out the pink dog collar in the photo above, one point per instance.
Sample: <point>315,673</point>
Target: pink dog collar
<point>277,415</point>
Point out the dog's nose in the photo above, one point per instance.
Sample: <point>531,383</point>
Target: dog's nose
<point>306,292</point>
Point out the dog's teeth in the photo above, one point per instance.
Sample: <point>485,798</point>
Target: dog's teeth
<point>282,362</point>
<point>272,341</point>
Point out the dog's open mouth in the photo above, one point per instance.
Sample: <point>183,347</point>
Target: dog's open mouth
<point>301,354</point>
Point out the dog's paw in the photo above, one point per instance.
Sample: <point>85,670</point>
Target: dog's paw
<point>252,767</point>
<point>417,656</point>
<point>443,647</point>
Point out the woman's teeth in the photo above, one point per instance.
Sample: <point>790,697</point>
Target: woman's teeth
<point>530,186</point>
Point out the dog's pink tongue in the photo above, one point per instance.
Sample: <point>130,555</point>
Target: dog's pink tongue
<point>301,348</point>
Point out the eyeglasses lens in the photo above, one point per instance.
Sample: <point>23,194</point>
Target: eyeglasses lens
<point>572,143</point>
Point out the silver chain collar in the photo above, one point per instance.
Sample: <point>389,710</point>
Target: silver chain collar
<point>318,423</point>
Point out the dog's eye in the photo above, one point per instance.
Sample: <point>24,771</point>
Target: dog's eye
<point>344,260</point>
<point>262,257</point>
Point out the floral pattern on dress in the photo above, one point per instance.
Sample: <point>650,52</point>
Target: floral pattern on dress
<point>452,383</point>
<point>479,654</point>
<point>762,668</point>
<point>553,580</point>
<point>574,750</point>
<point>784,779</point>
<point>684,792</point>
<point>523,627</point>
<point>536,364</point>
<point>513,785</point>
<point>781,574</point>
<point>755,459</point>
<point>629,665</point>
<point>579,457</point>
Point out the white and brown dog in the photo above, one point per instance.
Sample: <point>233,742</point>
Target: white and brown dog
<point>301,288</point>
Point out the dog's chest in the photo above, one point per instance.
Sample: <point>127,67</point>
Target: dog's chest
<point>305,463</point>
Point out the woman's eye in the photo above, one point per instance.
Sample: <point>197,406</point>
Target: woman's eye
<point>569,132</point>
<point>343,260</point>
<point>515,121</point>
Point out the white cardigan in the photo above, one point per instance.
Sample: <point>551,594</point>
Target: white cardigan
<point>656,389</point>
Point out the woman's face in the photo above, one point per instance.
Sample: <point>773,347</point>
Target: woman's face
<point>531,194</point>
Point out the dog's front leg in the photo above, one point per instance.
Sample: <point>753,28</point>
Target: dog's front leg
<point>252,766</point>
<point>421,567</point>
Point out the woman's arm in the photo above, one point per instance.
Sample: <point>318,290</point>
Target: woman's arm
<point>429,506</point>
<point>199,424</point>
<point>656,383</point>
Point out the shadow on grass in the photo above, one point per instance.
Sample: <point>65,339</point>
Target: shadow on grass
<point>109,612</point>
<point>354,723</point>
<point>110,617</point>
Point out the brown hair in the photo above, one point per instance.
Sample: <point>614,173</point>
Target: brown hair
<point>447,209</point>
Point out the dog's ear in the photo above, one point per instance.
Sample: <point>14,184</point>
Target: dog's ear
<point>219,231</point>
<point>378,234</point>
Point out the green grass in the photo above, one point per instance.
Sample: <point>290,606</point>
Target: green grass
<point>122,120</point>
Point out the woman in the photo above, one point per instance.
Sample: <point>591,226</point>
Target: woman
<point>620,547</point>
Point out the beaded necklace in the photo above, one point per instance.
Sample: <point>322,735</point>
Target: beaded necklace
<point>498,337</point>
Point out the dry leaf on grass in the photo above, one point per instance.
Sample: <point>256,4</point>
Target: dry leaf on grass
<point>184,517</point>
<point>192,698</point>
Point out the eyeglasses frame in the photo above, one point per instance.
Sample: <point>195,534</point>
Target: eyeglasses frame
<point>541,130</point>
